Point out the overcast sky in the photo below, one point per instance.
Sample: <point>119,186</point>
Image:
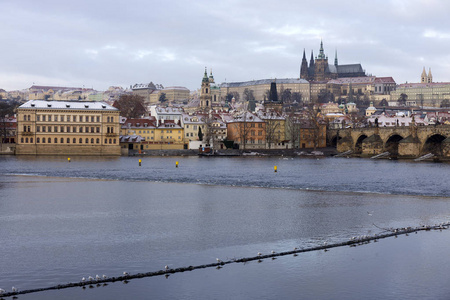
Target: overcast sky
<point>102,43</point>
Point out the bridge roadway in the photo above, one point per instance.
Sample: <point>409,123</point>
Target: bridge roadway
<point>399,141</point>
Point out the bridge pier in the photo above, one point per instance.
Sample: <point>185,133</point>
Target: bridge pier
<point>409,147</point>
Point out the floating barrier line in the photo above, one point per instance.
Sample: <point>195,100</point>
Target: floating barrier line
<point>354,241</point>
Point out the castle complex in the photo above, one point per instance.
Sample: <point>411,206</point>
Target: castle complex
<point>320,70</point>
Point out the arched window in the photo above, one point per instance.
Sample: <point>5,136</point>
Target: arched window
<point>31,140</point>
<point>49,140</point>
<point>92,141</point>
<point>108,119</point>
<point>56,140</point>
<point>107,130</point>
<point>68,140</point>
<point>106,141</point>
<point>21,140</point>
<point>29,118</point>
<point>43,140</point>
<point>114,141</point>
<point>62,140</point>
<point>74,140</point>
<point>38,140</point>
<point>80,141</point>
<point>109,141</point>
<point>98,141</point>
<point>26,140</point>
<point>87,141</point>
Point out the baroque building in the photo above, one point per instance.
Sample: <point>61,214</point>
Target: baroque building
<point>320,70</point>
<point>67,128</point>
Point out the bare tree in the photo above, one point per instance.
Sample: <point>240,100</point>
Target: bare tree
<point>313,123</point>
<point>243,129</point>
<point>296,97</point>
<point>293,129</point>
<point>272,128</point>
<point>286,96</point>
<point>248,95</point>
<point>130,106</point>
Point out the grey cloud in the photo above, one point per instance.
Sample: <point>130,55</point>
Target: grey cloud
<point>102,43</point>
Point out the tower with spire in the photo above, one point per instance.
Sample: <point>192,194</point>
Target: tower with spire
<point>304,67</point>
<point>426,78</point>
<point>321,65</point>
<point>205,96</point>
<point>335,58</point>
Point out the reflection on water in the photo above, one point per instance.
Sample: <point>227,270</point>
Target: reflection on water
<point>66,224</point>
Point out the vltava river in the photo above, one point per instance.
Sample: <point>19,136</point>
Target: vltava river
<point>62,221</point>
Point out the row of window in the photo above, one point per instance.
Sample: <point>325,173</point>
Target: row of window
<point>150,131</point>
<point>68,118</point>
<point>68,129</point>
<point>74,141</point>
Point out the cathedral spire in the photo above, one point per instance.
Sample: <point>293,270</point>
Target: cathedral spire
<point>335,58</point>
<point>321,53</point>
<point>304,67</point>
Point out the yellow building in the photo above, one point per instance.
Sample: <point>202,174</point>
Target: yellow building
<point>67,128</point>
<point>168,135</point>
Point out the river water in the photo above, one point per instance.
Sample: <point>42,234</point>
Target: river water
<point>62,221</point>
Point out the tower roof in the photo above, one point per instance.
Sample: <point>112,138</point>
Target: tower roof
<point>205,77</point>
<point>321,52</point>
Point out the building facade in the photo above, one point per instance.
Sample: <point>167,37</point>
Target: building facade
<point>261,88</point>
<point>67,128</point>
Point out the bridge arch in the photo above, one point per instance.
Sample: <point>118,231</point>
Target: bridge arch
<point>433,144</point>
<point>358,146</point>
<point>391,144</point>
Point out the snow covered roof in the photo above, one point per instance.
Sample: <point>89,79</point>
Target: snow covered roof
<point>68,105</point>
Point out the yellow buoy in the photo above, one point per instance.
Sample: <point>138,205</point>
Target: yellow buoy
<point>275,169</point>
<point>68,159</point>
<point>140,161</point>
<point>176,164</point>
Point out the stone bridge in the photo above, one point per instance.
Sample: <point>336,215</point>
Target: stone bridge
<point>400,141</point>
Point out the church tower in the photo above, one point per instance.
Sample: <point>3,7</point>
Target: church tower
<point>430,77</point>
<point>423,77</point>
<point>304,67</point>
<point>205,96</point>
<point>321,65</point>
